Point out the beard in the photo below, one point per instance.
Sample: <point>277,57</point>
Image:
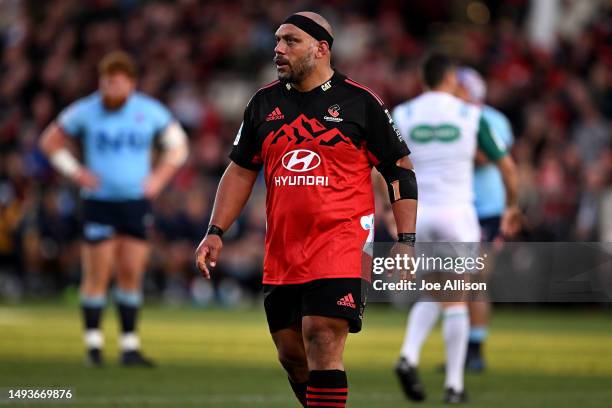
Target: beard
<point>297,71</point>
<point>113,103</point>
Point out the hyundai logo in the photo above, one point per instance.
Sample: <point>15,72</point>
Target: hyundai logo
<point>301,160</point>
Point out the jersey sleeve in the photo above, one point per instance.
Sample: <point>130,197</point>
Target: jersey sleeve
<point>383,138</point>
<point>161,116</point>
<point>492,145</point>
<point>71,119</point>
<point>245,151</point>
<point>505,131</point>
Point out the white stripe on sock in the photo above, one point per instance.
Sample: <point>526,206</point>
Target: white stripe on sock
<point>129,342</point>
<point>94,338</point>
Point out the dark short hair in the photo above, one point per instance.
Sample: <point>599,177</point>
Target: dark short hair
<point>117,61</point>
<point>434,68</point>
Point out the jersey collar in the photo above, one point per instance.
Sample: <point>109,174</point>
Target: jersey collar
<point>318,90</point>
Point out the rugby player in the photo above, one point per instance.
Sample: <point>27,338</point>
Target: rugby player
<point>316,134</point>
<point>117,127</point>
<point>444,133</point>
<point>490,202</point>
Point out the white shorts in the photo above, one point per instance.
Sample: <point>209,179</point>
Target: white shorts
<point>449,227</point>
<point>445,223</point>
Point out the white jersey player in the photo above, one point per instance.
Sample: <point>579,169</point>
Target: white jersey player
<point>443,132</point>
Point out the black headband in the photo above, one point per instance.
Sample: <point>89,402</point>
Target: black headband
<point>311,27</point>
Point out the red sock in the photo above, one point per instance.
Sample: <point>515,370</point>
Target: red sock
<point>327,388</point>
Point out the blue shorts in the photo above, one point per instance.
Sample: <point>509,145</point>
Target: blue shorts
<point>490,228</point>
<point>102,220</point>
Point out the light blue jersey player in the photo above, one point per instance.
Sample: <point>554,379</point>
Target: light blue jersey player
<point>116,144</point>
<point>489,190</point>
<point>492,204</point>
<point>117,127</point>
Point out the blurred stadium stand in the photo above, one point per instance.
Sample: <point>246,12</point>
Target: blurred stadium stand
<point>548,66</point>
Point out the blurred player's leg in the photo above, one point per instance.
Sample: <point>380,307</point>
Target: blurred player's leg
<point>455,328</point>
<point>133,254</point>
<point>324,339</point>
<point>423,316</point>
<point>292,356</point>
<point>97,271</point>
<point>480,311</point>
<point>479,323</point>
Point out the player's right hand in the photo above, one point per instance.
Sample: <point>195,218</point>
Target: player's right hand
<point>403,274</point>
<point>86,179</point>
<point>208,252</point>
<point>511,222</point>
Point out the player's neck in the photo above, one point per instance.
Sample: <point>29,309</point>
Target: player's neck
<point>113,104</point>
<point>442,88</point>
<point>317,78</point>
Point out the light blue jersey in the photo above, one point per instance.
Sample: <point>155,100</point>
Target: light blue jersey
<point>488,184</point>
<point>117,144</point>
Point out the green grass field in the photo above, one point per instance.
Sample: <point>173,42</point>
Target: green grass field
<point>225,358</point>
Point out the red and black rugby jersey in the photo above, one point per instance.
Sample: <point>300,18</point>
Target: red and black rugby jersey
<point>317,149</point>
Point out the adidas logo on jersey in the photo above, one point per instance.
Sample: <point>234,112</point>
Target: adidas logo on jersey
<point>347,301</point>
<point>275,115</point>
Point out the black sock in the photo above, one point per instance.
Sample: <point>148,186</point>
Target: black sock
<point>299,389</point>
<point>474,349</point>
<point>92,316</point>
<point>327,388</point>
<point>128,315</point>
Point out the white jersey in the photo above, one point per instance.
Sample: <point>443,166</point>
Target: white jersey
<point>441,132</point>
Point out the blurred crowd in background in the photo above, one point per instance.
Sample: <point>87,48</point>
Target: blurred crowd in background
<point>547,63</point>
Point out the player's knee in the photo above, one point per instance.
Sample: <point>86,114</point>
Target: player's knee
<point>321,338</point>
<point>129,280</point>
<point>93,285</point>
<point>92,289</point>
<point>294,362</point>
<point>129,285</point>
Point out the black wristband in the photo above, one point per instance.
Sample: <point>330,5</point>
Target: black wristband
<point>214,230</point>
<point>406,238</point>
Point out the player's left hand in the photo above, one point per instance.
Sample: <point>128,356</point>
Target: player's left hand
<point>153,185</point>
<point>511,221</point>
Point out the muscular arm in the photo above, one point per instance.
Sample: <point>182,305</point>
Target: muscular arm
<point>234,190</point>
<point>496,151</point>
<point>53,143</point>
<point>511,218</point>
<point>52,139</point>
<point>404,211</point>
<point>175,151</point>
<point>509,175</point>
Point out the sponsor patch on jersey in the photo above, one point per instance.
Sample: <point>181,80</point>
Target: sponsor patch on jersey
<point>442,133</point>
<point>301,160</point>
<point>334,111</point>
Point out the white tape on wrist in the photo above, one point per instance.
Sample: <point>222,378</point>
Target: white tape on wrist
<point>65,162</point>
